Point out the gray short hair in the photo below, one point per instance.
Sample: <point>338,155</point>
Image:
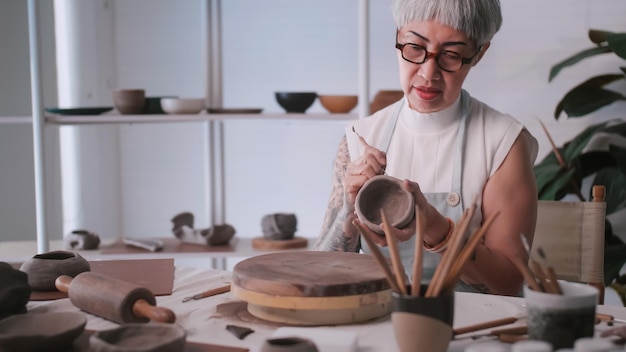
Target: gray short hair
<point>478,19</point>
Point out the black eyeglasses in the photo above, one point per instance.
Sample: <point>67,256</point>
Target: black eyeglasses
<point>448,61</point>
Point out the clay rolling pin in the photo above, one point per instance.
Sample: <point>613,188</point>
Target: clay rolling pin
<point>113,299</point>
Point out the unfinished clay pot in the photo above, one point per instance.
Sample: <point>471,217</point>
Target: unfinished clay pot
<point>137,337</point>
<point>387,193</point>
<point>34,332</point>
<point>279,226</point>
<point>14,290</point>
<point>43,269</point>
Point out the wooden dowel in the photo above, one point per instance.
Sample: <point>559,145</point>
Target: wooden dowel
<point>553,281</point>
<point>393,251</point>
<point>528,276</point>
<point>467,252</point>
<point>485,325</point>
<point>516,330</point>
<point>541,277</point>
<point>416,275</point>
<point>452,251</point>
<point>368,235</point>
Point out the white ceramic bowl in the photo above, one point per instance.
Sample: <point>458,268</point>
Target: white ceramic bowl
<point>182,105</point>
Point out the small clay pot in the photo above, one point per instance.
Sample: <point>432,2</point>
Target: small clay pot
<point>387,193</point>
<point>138,337</point>
<point>289,344</point>
<point>129,101</point>
<point>279,226</point>
<point>44,269</point>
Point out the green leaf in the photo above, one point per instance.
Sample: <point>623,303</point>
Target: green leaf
<point>584,100</point>
<point>594,161</point>
<point>598,36</point>
<point>617,43</point>
<point>619,154</point>
<point>554,71</point>
<point>574,147</point>
<point>544,176</point>
<point>578,98</point>
<point>615,182</point>
<point>558,187</point>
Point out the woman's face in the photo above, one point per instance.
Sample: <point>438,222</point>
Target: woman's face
<point>427,87</point>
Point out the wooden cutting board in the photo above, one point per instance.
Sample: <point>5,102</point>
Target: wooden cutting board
<point>312,287</point>
<point>157,275</point>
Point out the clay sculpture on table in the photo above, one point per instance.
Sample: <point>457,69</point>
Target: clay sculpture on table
<point>81,239</point>
<point>215,235</point>
<point>14,290</point>
<point>279,226</point>
<point>43,269</point>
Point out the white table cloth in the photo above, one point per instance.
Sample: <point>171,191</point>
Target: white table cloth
<point>205,319</point>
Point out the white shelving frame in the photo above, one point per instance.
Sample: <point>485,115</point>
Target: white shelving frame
<point>214,165</point>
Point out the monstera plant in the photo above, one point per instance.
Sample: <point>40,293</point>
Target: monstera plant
<point>597,153</point>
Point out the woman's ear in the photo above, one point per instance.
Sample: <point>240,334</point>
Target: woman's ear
<point>483,50</point>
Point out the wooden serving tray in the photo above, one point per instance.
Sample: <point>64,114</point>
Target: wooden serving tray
<point>262,243</point>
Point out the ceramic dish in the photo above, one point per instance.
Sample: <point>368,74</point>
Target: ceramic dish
<point>234,111</point>
<point>80,111</point>
<point>34,332</point>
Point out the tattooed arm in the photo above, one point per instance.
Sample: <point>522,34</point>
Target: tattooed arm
<point>338,233</point>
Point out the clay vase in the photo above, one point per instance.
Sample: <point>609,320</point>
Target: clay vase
<point>422,323</point>
<point>43,269</point>
<point>386,193</point>
<point>138,337</point>
<point>279,226</point>
<point>384,98</point>
<point>289,344</point>
<point>129,101</point>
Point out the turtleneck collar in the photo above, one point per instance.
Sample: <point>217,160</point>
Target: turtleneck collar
<point>432,122</point>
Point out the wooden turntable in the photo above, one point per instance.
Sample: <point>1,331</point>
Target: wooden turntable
<point>312,287</point>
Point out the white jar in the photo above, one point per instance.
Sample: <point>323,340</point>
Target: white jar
<point>531,346</point>
<point>491,346</point>
<point>588,344</point>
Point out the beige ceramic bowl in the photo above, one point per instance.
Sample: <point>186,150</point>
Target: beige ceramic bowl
<point>338,104</point>
<point>182,105</point>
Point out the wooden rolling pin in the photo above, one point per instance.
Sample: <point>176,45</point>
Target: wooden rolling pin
<point>113,299</point>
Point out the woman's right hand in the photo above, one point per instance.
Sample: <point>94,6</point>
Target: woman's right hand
<point>371,163</point>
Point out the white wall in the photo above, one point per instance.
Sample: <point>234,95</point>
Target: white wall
<point>276,45</point>
<point>17,182</point>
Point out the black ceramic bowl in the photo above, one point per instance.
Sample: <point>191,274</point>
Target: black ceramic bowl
<point>295,101</point>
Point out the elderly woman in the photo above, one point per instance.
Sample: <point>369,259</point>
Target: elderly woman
<point>451,149</point>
